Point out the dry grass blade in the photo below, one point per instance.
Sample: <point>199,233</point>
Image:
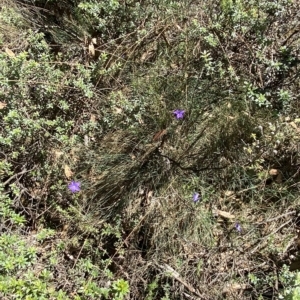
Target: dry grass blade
<point>169,270</point>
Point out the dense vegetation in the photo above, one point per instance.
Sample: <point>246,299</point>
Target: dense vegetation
<point>149,149</point>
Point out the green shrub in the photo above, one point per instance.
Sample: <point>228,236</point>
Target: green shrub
<point>290,281</point>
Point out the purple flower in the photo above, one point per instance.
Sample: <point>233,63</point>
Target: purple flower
<point>196,197</point>
<point>238,227</point>
<point>179,113</point>
<point>74,186</point>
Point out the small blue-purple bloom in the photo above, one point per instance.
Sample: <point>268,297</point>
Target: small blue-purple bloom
<point>238,227</point>
<point>196,197</point>
<point>179,113</point>
<point>74,186</point>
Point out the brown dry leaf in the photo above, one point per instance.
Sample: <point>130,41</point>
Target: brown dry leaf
<point>91,50</point>
<point>64,230</point>
<point>225,214</point>
<point>57,154</point>
<point>228,193</point>
<point>2,105</point>
<point>86,140</point>
<point>9,52</point>
<point>93,118</point>
<point>68,171</point>
<point>294,125</point>
<point>178,27</point>
<point>118,110</point>
<point>273,172</point>
<point>149,195</point>
<point>234,287</point>
<point>221,199</point>
<point>144,57</point>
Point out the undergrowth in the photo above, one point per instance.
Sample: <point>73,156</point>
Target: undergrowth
<point>149,150</point>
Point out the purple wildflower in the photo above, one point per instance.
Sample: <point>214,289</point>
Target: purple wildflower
<point>196,197</point>
<point>74,186</point>
<point>179,113</point>
<point>238,227</point>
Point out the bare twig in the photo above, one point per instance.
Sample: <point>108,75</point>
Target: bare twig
<point>76,259</point>
<point>16,175</point>
<point>265,241</point>
<point>177,276</point>
<point>281,216</point>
